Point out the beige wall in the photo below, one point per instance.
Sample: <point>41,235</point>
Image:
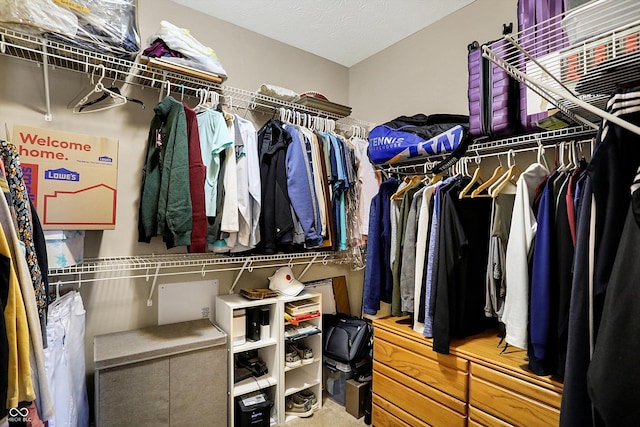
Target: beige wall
<point>427,71</point>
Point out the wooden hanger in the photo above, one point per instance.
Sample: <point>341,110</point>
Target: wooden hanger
<point>497,173</point>
<point>477,177</point>
<point>410,183</point>
<point>509,177</point>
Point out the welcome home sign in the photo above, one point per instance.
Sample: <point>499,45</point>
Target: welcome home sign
<point>71,178</point>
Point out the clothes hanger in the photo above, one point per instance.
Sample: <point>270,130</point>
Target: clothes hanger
<point>166,84</point>
<point>118,98</point>
<point>477,177</point>
<point>509,178</point>
<point>413,180</point>
<point>107,94</point>
<point>541,158</point>
<point>497,173</point>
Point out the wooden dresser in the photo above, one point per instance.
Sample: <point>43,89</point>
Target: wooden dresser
<point>475,385</point>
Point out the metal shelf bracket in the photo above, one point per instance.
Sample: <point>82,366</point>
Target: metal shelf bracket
<point>153,287</point>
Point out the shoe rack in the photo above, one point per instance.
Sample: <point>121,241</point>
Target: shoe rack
<point>268,348</point>
<point>281,381</point>
<point>308,374</point>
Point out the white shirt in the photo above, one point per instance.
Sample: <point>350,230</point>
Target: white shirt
<point>250,138</point>
<point>521,235</point>
<point>368,185</point>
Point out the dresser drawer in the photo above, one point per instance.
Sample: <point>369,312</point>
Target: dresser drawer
<point>509,405</point>
<point>519,386</point>
<point>479,418</point>
<point>421,347</point>
<point>424,408</point>
<point>423,369</point>
<point>386,414</point>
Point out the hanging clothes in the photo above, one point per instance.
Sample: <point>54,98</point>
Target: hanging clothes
<point>276,223</point>
<point>249,200</point>
<point>36,350</point>
<point>197,173</point>
<point>165,202</point>
<point>367,183</point>
<point>378,280</point>
<point>300,186</point>
<point>64,361</point>
<point>432,261</point>
<point>408,267</point>
<point>459,287</point>
<point>19,198</point>
<point>515,315</point>
<point>502,212</point>
<point>422,243</point>
<point>230,221</point>
<point>611,173</point>
<point>214,139</point>
<point>401,222</point>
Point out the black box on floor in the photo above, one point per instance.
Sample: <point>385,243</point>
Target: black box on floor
<point>356,397</point>
<point>253,410</point>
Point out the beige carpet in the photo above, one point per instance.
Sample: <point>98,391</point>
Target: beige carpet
<point>331,414</point>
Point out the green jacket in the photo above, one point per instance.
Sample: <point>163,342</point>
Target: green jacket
<point>165,203</point>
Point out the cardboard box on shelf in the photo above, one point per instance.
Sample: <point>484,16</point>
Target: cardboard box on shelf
<point>64,248</point>
<point>71,178</point>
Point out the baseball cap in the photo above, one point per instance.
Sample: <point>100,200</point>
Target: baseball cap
<point>284,283</point>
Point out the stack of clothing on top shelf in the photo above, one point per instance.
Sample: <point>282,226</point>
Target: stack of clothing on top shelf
<point>281,188</point>
<point>177,46</point>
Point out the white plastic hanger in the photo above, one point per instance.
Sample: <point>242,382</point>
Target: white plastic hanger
<point>118,99</point>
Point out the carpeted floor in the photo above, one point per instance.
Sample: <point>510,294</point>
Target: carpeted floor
<point>331,414</point>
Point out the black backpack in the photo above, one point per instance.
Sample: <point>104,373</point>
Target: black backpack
<point>347,339</point>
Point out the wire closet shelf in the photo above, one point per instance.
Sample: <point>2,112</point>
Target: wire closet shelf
<point>573,61</point>
<point>51,53</point>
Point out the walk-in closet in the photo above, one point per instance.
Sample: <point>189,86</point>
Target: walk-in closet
<point>300,214</point>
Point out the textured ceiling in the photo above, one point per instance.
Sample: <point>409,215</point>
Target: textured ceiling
<point>343,31</point>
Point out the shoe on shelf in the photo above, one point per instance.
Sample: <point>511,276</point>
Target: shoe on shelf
<point>308,395</point>
<point>290,331</point>
<point>304,352</point>
<point>306,328</point>
<point>291,357</point>
<point>294,405</point>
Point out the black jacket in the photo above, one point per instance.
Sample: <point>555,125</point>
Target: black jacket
<point>276,223</point>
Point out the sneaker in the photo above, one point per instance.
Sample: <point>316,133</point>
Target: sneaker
<point>309,396</point>
<point>294,405</point>
<point>291,357</point>
<point>306,328</point>
<point>290,331</point>
<point>304,352</point>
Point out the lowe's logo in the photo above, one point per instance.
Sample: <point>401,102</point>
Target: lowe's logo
<point>105,159</point>
<point>61,174</point>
